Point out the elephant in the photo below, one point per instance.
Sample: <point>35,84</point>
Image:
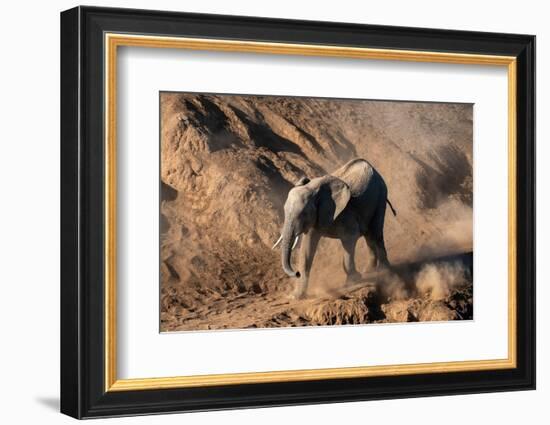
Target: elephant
<point>347,204</point>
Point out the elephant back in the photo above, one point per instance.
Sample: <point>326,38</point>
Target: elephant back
<point>357,174</point>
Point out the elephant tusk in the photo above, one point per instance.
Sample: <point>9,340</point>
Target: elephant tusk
<point>278,242</point>
<point>295,242</point>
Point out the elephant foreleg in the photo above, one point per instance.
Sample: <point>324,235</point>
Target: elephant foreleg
<point>308,246</point>
<point>349,245</point>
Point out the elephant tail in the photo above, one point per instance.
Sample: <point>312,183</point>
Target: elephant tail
<point>392,208</point>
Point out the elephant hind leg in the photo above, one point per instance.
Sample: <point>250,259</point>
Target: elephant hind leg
<point>371,243</point>
<point>382,253</point>
<point>375,238</point>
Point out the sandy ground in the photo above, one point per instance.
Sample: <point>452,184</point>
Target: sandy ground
<point>227,163</point>
<point>409,293</point>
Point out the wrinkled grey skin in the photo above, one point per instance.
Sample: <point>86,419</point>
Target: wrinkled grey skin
<point>347,205</point>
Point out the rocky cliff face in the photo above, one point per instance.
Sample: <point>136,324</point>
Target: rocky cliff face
<point>227,163</point>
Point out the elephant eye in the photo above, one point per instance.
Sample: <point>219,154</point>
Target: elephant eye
<point>302,181</point>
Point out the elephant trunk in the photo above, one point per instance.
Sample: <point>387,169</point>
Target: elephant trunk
<point>286,248</point>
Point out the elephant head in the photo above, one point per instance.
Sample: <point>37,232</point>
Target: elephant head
<point>316,203</point>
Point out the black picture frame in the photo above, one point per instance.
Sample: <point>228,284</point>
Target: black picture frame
<point>83,392</point>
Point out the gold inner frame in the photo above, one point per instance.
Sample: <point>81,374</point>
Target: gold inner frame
<point>113,41</point>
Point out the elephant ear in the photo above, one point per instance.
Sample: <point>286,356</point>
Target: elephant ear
<point>334,195</point>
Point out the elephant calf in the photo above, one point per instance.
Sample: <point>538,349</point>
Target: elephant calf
<point>345,205</point>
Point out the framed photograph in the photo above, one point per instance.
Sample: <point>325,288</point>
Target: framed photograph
<point>261,212</point>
